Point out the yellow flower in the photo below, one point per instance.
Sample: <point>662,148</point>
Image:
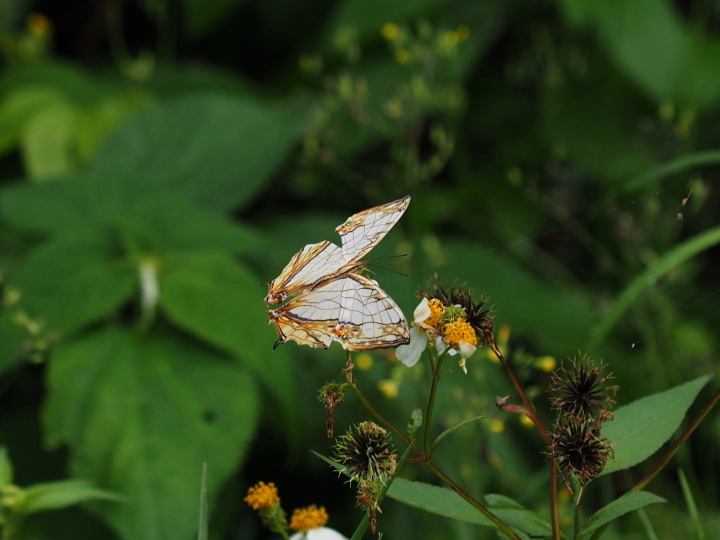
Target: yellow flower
<point>547,364</point>
<point>389,388</point>
<point>402,56</point>
<point>364,361</point>
<point>305,519</point>
<point>390,31</point>
<point>39,24</point>
<point>262,496</point>
<point>459,331</point>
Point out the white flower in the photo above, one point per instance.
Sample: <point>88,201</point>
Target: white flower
<point>422,311</point>
<point>321,533</point>
<point>410,354</point>
<point>466,351</point>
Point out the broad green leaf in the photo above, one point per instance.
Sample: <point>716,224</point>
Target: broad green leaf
<point>6,468</point>
<point>166,223</point>
<point>48,142</point>
<point>159,221</point>
<point>661,266</point>
<point>642,427</point>
<point>216,150</point>
<point>55,495</point>
<point>69,203</point>
<point>18,107</point>
<point>73,281</point>
<point>627,503</point>
<point>63,77</point>
<point>215,298</point>
<point>630,32</point>
<point>447,503</point>
<point>140,415</point>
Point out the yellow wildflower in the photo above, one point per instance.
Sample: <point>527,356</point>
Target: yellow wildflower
<point>262,496</point>
<point>390,31</point>
<point>305,519</point>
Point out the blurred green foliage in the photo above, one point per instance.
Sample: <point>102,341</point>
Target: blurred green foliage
<point>159,160</point>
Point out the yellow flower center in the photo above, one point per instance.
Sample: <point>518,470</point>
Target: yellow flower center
<point>262,496</point>
<point>436,310</point>
<point>305,519</point>
<point>459,330</point>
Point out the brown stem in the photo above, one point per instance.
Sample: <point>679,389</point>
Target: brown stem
<point>501,525</point>
<point>681,440</point>
<point>554,506</point>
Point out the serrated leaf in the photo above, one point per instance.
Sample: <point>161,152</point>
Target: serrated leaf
<point>447,503</point>
<point>216,150</point>
<point>141,414</point>
<point>215,298</point>
<point>55,495</point>
<point>70,282</point>
<point>625,504</point>
<point>642,427</point>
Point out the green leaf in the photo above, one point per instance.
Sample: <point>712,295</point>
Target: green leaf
<point>211,296</point>
<point>18,107</point>
<point>661,266</point>
<point>447,503</point>
<point>627,503</point>
<point>55,495</point>
<point>141,414</point>
<point>73,281</point>
<point>216,150</point>
<point>6,468</point>
<point>640,428</point>
<point>48,142</point>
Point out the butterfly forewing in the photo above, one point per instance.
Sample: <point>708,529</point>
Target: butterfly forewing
<point>317,263</point>
<point>329,299</point>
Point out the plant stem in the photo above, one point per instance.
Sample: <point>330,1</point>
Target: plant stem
<point>431,404</point>
<point>377,415</point>
<point>681,440</point>
<point>554,506</point>
<point>576,529</point>
<point>500,524</point>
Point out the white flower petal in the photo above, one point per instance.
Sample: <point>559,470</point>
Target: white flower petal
<point>410,354</point>
<point>321,533</point>
<point>461,363</point>
<point>422,311</point>
<point>466,350</point>
<point>441,346</point>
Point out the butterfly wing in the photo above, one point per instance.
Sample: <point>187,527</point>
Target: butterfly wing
<point>368,318</point>
<point>317,263</point>
<point>308,266</point>
<point>309,318</point>
<point>364,230</point>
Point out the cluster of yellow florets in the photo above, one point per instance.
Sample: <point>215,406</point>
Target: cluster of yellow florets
<point>264,498</point>
<point>305,519</point>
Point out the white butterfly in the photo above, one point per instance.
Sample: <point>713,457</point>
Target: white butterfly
<point>331,299</point>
